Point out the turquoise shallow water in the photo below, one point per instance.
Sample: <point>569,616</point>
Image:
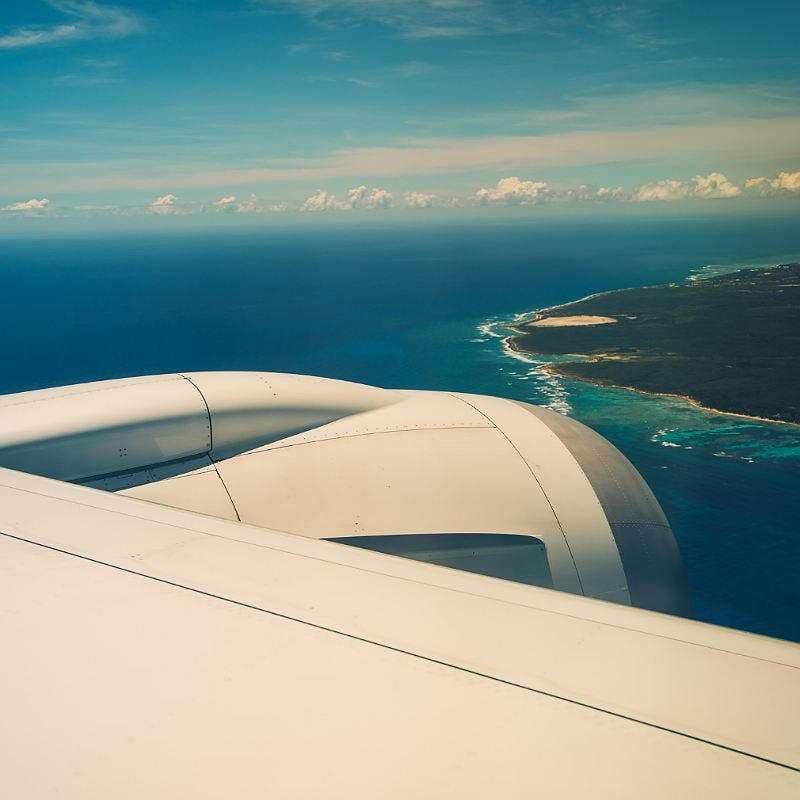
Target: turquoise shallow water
<point>423,307</point>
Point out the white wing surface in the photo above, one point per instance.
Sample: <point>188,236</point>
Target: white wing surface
<point>155,652</point>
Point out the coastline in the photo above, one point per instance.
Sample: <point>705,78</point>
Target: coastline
<point>521,326</point>
<point>552,369</point>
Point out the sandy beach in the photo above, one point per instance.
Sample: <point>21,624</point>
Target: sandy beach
<point>570,322</point>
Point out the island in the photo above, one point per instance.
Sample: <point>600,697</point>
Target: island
<point>730,343</point>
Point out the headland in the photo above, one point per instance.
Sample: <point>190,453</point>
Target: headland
<point>730,343</point>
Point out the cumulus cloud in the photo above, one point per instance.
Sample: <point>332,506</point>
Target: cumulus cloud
<point>513,192</point>
<point>587,193</point>
<point>790,181</point>
<point>662,190</point>
<point>762,185</point>
<point>229,204</point>
<point>419,199</point>
<point>715,185</point>
<point>357,197</point>
<point>609,193</point>
<point>27,205</point>
<point>226,203</point>
<point>785,182</point>
<point>163,205</point>
<point>378,198</point>
<point>86,20</point>
<point>322,201</point>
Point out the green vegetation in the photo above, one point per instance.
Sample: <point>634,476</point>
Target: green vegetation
<point>731,342</point>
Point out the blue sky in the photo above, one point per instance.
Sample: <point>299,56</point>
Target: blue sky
<point>177,107</point>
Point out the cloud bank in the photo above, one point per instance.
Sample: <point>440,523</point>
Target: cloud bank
<point>511,191</point>
<point>500,155</point>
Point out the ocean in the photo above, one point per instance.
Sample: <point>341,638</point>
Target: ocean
<point>425,305</point>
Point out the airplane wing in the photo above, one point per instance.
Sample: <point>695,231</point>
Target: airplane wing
<point>156,651</point>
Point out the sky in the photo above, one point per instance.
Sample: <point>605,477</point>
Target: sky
<point>304,108</point>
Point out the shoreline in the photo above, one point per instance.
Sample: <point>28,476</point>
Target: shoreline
<point>553,370</point>
<point>521,325</point>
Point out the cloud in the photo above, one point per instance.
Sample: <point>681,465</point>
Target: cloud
<point>226,204</point>
<point>322,201</point>
<point>230,205</point>
<point>785,182</point>
<point>249,206</point>
<point>513,192</point>
<point>27,205</point>
<point>364,83</point>
<point>87,79</point>
<point>604,194</point>
<point>419,199</point>
<point>163,205</point>
<point>449,19</point>
<point>87,20</point>
<point>378,198</point>
<point>358,197</point>
<point>715,185</point>
<point>94,72</point>
<point>609,193</point>
<point>500,154</point>
<point>416,19</point>
<point>662,190</point>
<point>301,47</point>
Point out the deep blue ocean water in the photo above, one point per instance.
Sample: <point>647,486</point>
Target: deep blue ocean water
<point>423,306</point>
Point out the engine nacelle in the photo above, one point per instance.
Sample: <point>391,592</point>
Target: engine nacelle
<point>468,481</point>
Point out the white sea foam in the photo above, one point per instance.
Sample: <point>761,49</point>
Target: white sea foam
<point>713,270</point>
<point>523,316</point>
<point>658,438</point>
<point>526,358</point>
<point>490,328</point>
<point>548,386</point>
<point>723,454</point>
